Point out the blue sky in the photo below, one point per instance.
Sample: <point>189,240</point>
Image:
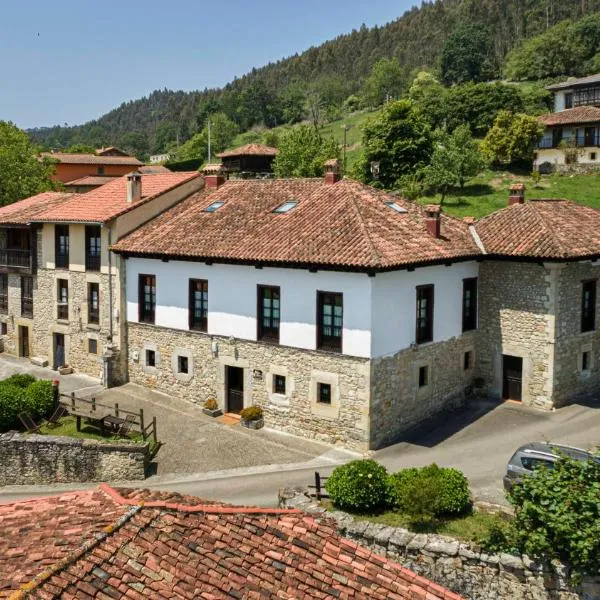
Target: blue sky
<point>72,61</point>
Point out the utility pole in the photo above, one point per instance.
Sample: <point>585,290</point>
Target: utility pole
<point>345,127</point>
<point>209,155</point>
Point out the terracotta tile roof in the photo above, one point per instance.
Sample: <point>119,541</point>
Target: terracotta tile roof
<point>21,213</point>
<point>110,200</point>
<point>575,82</point>
<point>572,116</point>
<point>92,180</point>
<point>158,549</point>
<point>91,159</point>
<point>552,229</point>
<point>250,150</point>
<point>346,225</point>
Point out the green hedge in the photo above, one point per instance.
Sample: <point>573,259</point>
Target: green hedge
<point>22,393</point>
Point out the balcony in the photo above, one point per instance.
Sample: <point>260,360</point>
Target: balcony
<point>62,260</point>
<point>588,140</point>
<point>587,97</point>
<point>27,307</point>
<point>10,257</point>
<point>92,262</point>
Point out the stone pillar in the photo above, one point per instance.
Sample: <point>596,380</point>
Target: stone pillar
<point>109,372</point>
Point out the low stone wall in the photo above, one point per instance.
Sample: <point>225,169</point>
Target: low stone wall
<point>38,459</point>
<point>461,567</point>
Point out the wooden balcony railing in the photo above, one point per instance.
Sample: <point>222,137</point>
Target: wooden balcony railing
<point>92,262</point>
<point>27,306</point>
<point>15,258</point>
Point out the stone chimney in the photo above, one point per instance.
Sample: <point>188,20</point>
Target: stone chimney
<point>433,220</point>
<point>517,194</point>
<point>214,176</point>
<point>333,171</point>
<point>134,187</point>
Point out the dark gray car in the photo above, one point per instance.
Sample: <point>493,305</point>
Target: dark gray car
<point>539,454</point>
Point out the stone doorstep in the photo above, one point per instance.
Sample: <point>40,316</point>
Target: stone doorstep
<point>39,361</point>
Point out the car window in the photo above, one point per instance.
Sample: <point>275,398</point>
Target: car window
<point>531,463</point>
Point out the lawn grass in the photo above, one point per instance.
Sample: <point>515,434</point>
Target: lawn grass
<point>67,427</point>
<point>489,191</point>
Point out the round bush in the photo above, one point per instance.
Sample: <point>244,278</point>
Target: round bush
<point>360,485</point>
<point>21,380</point>
<point>38,399</point>
<point>430,491</point>
<point>211,404</point>
<point>252,413</point>
<point>12,400</point>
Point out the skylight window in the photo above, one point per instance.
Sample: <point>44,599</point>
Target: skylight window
<point>214,206</point>
<point>286,206</point>
<point>396,207</point>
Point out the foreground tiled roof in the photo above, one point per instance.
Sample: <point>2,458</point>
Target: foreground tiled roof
<point>552,229</point>
<point>110,200</point>
<point>121,543</point>
<point>345,225</point>
<point>22,212</point>
<point>250,150</point>
<point>572,116</point>
<point>91,159</point>
<point>573,82</point>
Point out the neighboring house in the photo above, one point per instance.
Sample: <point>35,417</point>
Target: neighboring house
<point>572,135</point>
<point>123,543</point>
<point>159,158</point>
<point>60,287</point>
<point>249,161</point>
<point>351,316</point>
<point>70,167</point>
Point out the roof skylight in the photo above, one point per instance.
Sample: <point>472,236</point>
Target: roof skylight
<point>396,207</point>
<point>214,206</point>
<point>286,206</point>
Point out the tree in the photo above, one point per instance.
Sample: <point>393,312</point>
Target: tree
<point>135,143</point>
<point>430,98</point>
<point>398,140</point>
<point>22,173</point>
<point>466,55</point>
<point>512,138</point>
<point>222,132</point>
<point>386,81</point>
<point>456,158</point>
<point>302,153</point>
<point>81,149</point>
<point>292,101</point>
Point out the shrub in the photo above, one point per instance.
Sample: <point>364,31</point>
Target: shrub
<point>252,413</point>
<point>21,380</point>
<point>360,485</point>
<point>38,399</point>
<point>430,491</point>
<point>11,404</point>
<point>211,404</point>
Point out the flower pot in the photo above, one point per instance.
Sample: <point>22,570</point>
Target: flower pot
<point>257,424</point>
<point>217,412</point>
<point>65,370</point>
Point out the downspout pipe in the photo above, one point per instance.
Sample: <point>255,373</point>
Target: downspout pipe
<point>110,289</point>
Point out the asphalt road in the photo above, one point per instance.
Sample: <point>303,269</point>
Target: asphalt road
<point>478,441</point>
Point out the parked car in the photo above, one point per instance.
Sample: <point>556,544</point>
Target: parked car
<point>539,454</point>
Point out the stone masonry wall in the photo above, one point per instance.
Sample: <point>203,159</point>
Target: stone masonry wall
<point>458,566</point>
<point>398,404</point>
<point>39,459</point>
<point>515,317</point>
<point>344,422</point>
<point>571,382</point>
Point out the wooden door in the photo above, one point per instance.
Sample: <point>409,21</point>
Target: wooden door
<point>23,341</point>
<point>235,389</point>
<point>512,377</point>
<point>59,350</point>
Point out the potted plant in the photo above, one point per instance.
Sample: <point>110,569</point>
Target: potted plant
<point>211,408</point>
<point>252,417</point>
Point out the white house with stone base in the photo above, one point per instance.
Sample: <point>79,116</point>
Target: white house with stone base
<point>351,316</point>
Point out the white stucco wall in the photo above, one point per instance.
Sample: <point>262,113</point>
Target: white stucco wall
<point>395,305</point>
<point>232,300</point>
<point>559,100</point>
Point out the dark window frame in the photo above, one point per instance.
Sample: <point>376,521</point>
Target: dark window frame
<point>93,247</point>
<point>93,312</point>
<point>588,305</point>
<point>321,397</point>
<point>270,332</point>
<point>279,384</point>
<point>150,353</point>
<point>62,301</point>
<point>92,342</point>
<point>330,342</point>
<point>27,296</point>
<point>585,360</point>
<point>198,322</point>
<point>469,304</point>
<point>467,360</point>
<point>4,293</point>
<point>423,376</point>
<point>183,361</point>
<point>62,243</point>
<point>146,308</point>
<point>424,323</point>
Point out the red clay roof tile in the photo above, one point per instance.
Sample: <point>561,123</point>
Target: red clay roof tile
<point>21,213</point>
<point>572,116</point>
<point>91,159</point>
<point>250,150</point>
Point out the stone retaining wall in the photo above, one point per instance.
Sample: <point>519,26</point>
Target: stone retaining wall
<point>39,459</point>
<point>461,567</point>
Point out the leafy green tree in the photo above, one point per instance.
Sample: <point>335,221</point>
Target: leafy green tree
<point>303,152</point>
<point>398,140</point>
<point>292,101</point>
<point>81,149</point>
<point>557,514</point>
<point>22,173</point>
<point>466,55</point>
<point>351,103</point>
<point>430,98</point>
<point>456,158</point>
<point>222,132</point>
<point>136,143</point>
<point>386,81</point>
<point>512,139</point>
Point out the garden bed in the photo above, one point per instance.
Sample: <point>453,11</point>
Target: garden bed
<point>67,427</point>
